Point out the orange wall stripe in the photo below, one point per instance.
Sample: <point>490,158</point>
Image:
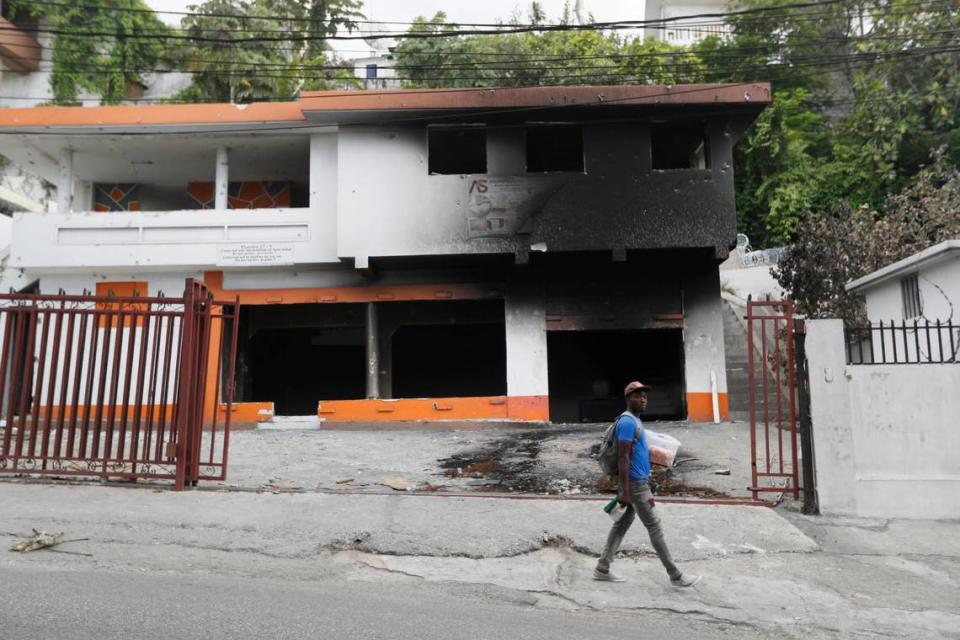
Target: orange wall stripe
<point>700,406</point>
<point>372,293</point>
<point>147,115</point>
<point>518,408</point>
<point>246,415</point>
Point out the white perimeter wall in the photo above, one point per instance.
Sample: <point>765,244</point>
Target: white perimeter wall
<point>886,437</point>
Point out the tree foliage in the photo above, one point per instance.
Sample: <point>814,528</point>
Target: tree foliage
<point>842,243</point>
<point>282,48</point>
<point>86,60</point>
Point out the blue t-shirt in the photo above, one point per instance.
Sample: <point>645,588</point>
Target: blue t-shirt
<point>640,464</point>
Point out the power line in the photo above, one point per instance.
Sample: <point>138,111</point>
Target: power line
<point>507,29</point>
<point>749,11</point>
<point>666,67</point>
<point>479,54</point>
<point>475,114</point>
<point>685,22</point>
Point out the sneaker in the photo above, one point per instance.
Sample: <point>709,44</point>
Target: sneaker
<point>606,576</point>
<point>685,581</point>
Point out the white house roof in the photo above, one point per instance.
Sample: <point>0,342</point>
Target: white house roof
<point>911,264</point>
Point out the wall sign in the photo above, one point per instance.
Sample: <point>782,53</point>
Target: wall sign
<point>503,206</point>
<point>255,254</point>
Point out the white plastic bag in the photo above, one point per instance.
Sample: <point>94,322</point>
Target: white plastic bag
<point>663,448</point>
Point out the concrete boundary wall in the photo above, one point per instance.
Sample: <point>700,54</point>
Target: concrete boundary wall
<point>885,436</point>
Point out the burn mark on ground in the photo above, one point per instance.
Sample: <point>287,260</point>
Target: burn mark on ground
<point>514,463</point>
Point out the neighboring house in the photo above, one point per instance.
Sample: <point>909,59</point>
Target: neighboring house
<point>883,397</point>
<point>376,71</point>
<point>924,286</point>
<point>512,253</point>
<point>685,31</point>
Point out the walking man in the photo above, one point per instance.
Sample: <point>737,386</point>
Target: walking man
<point>635,494</point>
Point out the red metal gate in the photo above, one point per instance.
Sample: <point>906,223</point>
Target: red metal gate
<point>773,397</point>
<point>117,387</point>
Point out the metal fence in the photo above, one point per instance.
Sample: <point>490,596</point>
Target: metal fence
<point>912,342</point>
<point>123,387</point>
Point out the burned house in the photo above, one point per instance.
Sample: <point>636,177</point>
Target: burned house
<point>515,254</point>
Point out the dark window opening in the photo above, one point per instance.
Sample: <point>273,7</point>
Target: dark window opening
<point>589,369</point>
<point>910,293</point>
<point>554,148</point>
<point>371,72</point>
<point>297,355</point>
<point>679,146</point>
<point>449,361</point>
<point>455,150</point>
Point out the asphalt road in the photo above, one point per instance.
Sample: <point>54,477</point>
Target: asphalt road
<point>45,604</point>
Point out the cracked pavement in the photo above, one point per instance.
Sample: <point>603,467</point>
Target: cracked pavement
<point>766,571</point>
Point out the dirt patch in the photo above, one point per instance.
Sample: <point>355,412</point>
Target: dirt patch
<point>669,485</point>
<point>463,468</point>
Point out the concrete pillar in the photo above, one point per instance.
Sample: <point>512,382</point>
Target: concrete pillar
<point>222,178</point>
<point>526,336</point>
<point>82,195</point>
<point>830,417</point>
<point>373,352</point>
<point>704,356</point>
<point>65,181</point>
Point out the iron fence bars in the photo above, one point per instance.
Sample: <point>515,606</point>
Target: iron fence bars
<point>773,398</point>
<point>906,342</point>
<point>116,387</point>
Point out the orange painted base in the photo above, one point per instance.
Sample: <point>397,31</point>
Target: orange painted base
<point>700,406</point>
<point>515,408</point>
<point>246,415</point>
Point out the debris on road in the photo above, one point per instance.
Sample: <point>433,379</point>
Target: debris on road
<point>345,481</point>
<point>277,486</point>
<point>721,472</point>
<point>398,483</point>
<point>44,540</point>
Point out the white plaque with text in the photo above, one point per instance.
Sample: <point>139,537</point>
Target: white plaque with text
<point>255,254</point>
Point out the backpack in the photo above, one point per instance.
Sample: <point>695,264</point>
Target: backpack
<point>609,455</point>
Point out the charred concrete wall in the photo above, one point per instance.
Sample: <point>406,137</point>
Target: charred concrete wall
<point>389,204</point>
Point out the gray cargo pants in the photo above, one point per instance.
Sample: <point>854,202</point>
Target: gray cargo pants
<point>641,504</point>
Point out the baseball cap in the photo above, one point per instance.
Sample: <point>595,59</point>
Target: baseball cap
<point>634,386</point>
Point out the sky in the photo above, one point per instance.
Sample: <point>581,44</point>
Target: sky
<point>457,11</point>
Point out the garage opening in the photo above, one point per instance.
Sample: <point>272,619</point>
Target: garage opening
<point>589,369</point>
<point>295,355</point>
<point>450,350</point>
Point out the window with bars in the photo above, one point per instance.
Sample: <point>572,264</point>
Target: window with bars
<point>910,293</point>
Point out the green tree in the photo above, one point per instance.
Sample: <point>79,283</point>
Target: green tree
<point>841,243</point>
<point>264,49</point>
<point>100,46</point>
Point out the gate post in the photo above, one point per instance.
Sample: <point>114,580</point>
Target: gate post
<point>810,505</point>
<point>186,383</point>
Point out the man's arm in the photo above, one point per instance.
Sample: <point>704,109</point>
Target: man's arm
<point>624,448</point>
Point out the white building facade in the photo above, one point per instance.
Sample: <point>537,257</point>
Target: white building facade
<point>485,254</point>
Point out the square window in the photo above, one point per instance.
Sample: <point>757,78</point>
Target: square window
<point>679,146</point>
<point>554,148</point>
<point>457,150</point>
<point>371,72</point>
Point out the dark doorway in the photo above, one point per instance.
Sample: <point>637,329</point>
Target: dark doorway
<point>297,355</point>
<point>447,361</point>
<point>589,369</point>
